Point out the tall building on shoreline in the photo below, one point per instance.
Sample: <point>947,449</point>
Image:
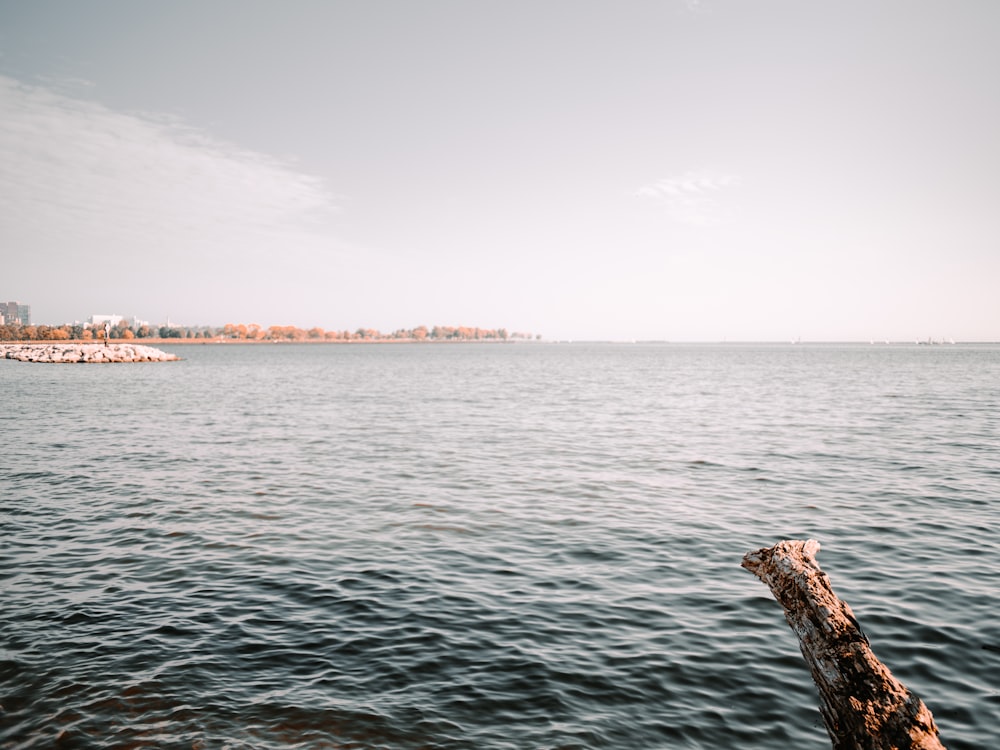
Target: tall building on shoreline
<point>15,312</point>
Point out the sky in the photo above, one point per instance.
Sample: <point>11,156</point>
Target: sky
<point>681,170</point>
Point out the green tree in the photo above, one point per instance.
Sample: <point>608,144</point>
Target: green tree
<point>118,330</point>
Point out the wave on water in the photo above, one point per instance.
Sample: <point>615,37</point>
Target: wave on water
<point>487,546</point>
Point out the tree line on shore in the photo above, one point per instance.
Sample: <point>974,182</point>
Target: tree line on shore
<point>252,332</point>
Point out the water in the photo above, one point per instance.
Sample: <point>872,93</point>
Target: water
<point>465,546</point>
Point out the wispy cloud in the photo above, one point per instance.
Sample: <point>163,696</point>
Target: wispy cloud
<point>690,198</point>
<point>77,169</point>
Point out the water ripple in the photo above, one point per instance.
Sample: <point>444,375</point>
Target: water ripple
<point>488,547</point>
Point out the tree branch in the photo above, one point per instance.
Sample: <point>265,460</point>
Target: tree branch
<point>864,707</point>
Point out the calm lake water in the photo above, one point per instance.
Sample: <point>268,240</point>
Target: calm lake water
<point>487,546</point>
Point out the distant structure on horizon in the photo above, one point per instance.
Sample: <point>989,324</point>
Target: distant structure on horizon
<point>15,312</point>
<point>100,320</point>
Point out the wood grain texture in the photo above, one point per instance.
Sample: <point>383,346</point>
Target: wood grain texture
<point>864,707</point>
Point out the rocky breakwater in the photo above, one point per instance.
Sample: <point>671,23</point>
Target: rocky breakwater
<point>84,353</point>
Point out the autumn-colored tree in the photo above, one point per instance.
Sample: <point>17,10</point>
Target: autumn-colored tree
<point>52,333</point>
<point>119,328</point>
<point>254,332</point>
<point>442,332</point>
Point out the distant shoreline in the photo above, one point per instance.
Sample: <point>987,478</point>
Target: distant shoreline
<point>227,341</point>
<point>202,341</point>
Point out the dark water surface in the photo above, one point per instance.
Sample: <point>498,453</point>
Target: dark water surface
<point>525,546</point>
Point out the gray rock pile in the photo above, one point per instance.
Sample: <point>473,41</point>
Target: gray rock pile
<point>85,353</point>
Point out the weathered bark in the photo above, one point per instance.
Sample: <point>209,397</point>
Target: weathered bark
<point>863,705</point>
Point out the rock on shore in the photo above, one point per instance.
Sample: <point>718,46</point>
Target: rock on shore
<point>85,353</point>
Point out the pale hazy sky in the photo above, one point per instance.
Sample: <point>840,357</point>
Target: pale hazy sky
<point>722,169</point>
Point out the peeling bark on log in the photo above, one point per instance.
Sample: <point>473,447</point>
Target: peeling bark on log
<point>864,707</point>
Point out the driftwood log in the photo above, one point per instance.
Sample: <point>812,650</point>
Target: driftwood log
<point>864,707</point>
